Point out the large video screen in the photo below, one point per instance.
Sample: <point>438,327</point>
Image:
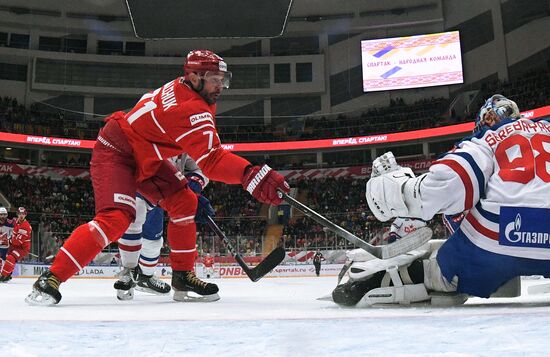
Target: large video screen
<point>411,62</point>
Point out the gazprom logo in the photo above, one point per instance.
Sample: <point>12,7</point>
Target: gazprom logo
<point>525,227</point>
<point>512,232</point>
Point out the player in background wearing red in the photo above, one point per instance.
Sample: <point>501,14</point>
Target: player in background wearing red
<point>130,155</point>
<point>208,262</point>
<point>20,244</point>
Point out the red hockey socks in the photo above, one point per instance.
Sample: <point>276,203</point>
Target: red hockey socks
<point>87,241</point>
<point>76,253</point>
<point>182,239</point>
<point>9,264</point>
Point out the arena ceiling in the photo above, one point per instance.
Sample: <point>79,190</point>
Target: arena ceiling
<point>305,15</point>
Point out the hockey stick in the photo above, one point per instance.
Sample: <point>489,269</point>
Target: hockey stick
<point>411,241</point>
<point>265,266</point>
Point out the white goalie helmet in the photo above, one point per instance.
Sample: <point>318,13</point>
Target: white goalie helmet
<point>495,109</point>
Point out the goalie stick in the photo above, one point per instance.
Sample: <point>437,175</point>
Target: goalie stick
<point>265,266</point>
<point>411,241</point>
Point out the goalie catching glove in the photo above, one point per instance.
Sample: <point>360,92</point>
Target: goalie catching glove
<point>263,183</point>
<point>393,191</point>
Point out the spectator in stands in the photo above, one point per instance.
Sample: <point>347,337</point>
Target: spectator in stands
<point>530,90</point>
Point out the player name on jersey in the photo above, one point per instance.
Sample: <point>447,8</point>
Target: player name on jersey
<point>505,131</point>
<point>168,97</point>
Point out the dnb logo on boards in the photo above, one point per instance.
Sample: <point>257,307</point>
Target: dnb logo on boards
<point>524,227</point>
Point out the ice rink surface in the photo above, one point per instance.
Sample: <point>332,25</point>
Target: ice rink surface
<point>273,317</point>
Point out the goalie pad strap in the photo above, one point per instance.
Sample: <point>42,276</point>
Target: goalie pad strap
<point>404,274</point>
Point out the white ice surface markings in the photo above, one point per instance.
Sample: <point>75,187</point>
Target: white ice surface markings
<point>274,317</point>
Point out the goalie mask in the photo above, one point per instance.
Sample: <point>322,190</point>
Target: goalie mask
<point>495,109</point>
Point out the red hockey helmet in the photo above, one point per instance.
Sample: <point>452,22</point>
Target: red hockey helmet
<point>201,61</point>
<point>205,63</point>
<point>22,210</point>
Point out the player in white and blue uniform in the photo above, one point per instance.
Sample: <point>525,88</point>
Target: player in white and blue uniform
<point>6,229</point>
<point>140,246</point>
<point>501,176</point>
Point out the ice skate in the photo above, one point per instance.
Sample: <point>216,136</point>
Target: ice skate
<point>125,284</point>
<point>185,282</point>
<point>45,291</point>
<point>5,279</point>
<point>151,284</point>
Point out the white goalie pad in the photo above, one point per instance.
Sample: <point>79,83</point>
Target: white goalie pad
<point>396,286</point>
<point>403,295</point>
<point>363,269</point>
<point>359,255</point>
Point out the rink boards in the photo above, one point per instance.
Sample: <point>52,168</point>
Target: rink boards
<point>218,271</point>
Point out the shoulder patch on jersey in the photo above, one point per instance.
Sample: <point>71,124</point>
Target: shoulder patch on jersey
<point>197,118</point>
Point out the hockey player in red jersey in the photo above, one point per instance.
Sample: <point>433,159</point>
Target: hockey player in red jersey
<point>20,244</point>
<point>208,262</point>
<point>131,155</point>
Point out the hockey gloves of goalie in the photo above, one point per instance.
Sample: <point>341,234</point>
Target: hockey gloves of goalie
<point>395,194</point>
<point>263,184</point>
<point>384,164</point>
<point>196,183</point>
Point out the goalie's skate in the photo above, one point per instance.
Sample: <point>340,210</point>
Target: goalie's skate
<point>151,284</point>
<point>125,284</point>
<point>45,290</point>
<point>185,282</point>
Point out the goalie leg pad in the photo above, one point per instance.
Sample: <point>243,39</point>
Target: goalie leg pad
<point>361,270</point>
<point>403,295</point>
<point>402,272</point>
<point>402,290</point>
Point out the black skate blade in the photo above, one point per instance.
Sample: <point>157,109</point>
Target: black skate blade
<point>268,264</point>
